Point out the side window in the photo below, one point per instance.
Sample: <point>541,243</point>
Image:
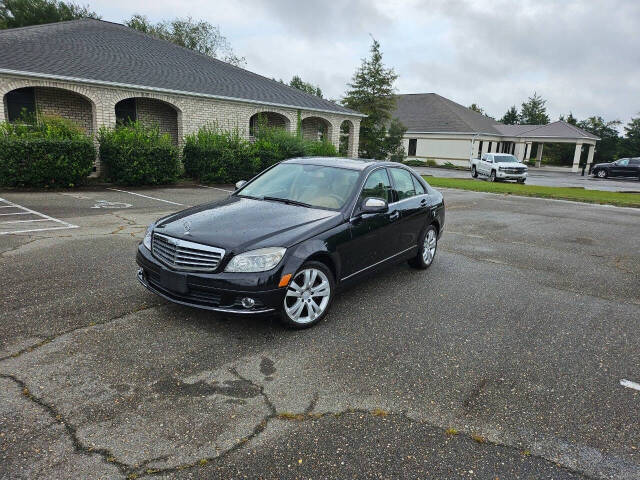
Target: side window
<point>634,161</point>
<point>418,186</point>
<point>484,157</point>
<point>403,182</point>
<point>624,163</point>
<point>413,146</point>
<point>377,185</point>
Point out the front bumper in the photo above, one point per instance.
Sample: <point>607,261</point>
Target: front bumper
<point>510,176</point>
<point>221,292</point>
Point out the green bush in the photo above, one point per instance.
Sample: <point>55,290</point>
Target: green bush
<point>414,163</point>
<point>431,162</point>
<point>135,154</point>
<point>213,155</point>
<point>48,152</point>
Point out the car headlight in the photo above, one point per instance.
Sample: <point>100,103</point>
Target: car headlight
<point>500,168</point>
<point>147,237</point>
<point>259,260</point>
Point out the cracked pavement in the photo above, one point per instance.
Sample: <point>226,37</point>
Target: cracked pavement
<point>502,360</point>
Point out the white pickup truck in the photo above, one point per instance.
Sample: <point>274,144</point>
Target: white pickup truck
<point>498,166</point>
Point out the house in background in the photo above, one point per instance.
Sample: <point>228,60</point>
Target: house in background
<point>445,131</point>
<point>97,73</point>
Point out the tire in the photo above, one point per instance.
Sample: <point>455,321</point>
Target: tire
<point>521,181</point>
<point>428,240</point>
<point>492,176</point>
<point>602,173</point>
<point>300,308</point>
<point>474,172</point>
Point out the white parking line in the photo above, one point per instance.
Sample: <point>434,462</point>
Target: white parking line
<point>147,196</point>
<point>216,188</point>
<point>630,384</point>
<point>28,211</point>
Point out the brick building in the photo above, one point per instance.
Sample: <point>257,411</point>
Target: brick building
<point>97,73</point>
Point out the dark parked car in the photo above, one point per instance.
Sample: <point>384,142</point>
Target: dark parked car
<point>624,167</point>
<point>288,239</point>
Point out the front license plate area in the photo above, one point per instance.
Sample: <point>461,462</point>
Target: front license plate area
<point>176,282</point>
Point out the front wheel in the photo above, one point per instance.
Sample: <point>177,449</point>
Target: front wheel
<point>492,177</point>
<point>602,174</point>
<point>474,172</point>
<point>427,247</point>
<point>521,181</point>
<point>308,296</point>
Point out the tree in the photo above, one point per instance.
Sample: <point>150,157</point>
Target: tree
<point>631,141</point>
<point>22,13</point>
<point>297,82</point>
<point>371,92</point>
<point>476,108</point>
<point>534,111</point>
<point>511,116</point>
<point>570,119</point>
<point>197,35</point>
<point>609,144</point>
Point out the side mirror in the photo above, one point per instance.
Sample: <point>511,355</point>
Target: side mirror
<point>374,205</point>
<point>240,184</point>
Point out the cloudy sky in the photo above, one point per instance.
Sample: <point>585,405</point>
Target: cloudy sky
<point>582,56</point>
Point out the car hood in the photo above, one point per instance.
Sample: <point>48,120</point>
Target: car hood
<point>239,224</point>
<point>511,164</point>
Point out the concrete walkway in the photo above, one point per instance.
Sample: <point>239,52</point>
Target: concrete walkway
<point>550,178</point>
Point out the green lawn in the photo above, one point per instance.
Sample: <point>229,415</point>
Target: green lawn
<point>577,194</point>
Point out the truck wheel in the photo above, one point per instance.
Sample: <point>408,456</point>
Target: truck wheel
<point>520,181</point>
<point>492,177</point>
<point>474,172</point>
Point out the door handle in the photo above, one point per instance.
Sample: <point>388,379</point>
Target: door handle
<point>423,202</point>
<point>395,215</point>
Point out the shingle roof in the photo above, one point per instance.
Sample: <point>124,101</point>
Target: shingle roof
<point>99,51</point>
<point>559,129</point>
<point>430,112</point>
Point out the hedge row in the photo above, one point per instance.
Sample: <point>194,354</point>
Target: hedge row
<point>49,152</point>
<point>136,154</point>
<point>215,155</point>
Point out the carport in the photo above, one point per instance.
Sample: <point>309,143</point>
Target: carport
<point>524,136</point>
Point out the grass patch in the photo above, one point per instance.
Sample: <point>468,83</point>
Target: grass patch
<point>577,194</point>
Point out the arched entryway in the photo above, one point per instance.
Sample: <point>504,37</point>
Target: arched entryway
<point>151,112</point>
<point>347,139</point>
<point>268,119</point>
<point>32,102</point>
<point>316,128</point>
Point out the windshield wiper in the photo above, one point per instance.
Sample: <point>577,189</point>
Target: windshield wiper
<point>287,201</point>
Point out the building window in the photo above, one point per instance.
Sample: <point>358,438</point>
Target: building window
<point>413,145</point>
<point>21,103</point>
<point>126,111</point>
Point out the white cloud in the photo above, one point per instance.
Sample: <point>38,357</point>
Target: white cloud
<point>582,56</point>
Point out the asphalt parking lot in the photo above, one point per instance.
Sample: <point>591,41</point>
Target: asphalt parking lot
<point>513,356</point>
<point>550,178</point>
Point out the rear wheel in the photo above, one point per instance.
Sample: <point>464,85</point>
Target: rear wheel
<point>492,177</point>
<point>308,296</point>
<point>427,247</point>
<point>602,174</point>
<point>474,172</point>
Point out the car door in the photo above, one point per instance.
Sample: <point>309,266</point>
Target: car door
<point>372,234</point>
<point>412,206</point>
<point>485,164</point>
<point>620,168</point>
<point>634,165</point>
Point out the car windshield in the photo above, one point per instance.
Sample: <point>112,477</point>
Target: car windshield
<point>506,159</point>
<point>309,185</point>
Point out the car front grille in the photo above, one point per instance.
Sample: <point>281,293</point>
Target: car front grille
<point>184,255</point>
<point>513,170</point>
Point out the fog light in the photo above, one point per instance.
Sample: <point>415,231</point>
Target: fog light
<point>248,302</point>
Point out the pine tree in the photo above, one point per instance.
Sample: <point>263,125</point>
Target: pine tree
<point>297,82</point>
<point>631,141</point>
<point>534,111</point>
<point>510,117</point>
<point>371,92</point>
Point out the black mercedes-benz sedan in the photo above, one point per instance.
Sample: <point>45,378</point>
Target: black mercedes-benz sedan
<point>288,239</point>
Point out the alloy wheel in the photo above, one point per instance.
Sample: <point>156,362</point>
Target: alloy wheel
<point>602,173</point>
<point>429,248</point>
<point>307,296</point>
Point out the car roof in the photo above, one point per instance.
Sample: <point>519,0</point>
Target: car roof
<point>349,163</point>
